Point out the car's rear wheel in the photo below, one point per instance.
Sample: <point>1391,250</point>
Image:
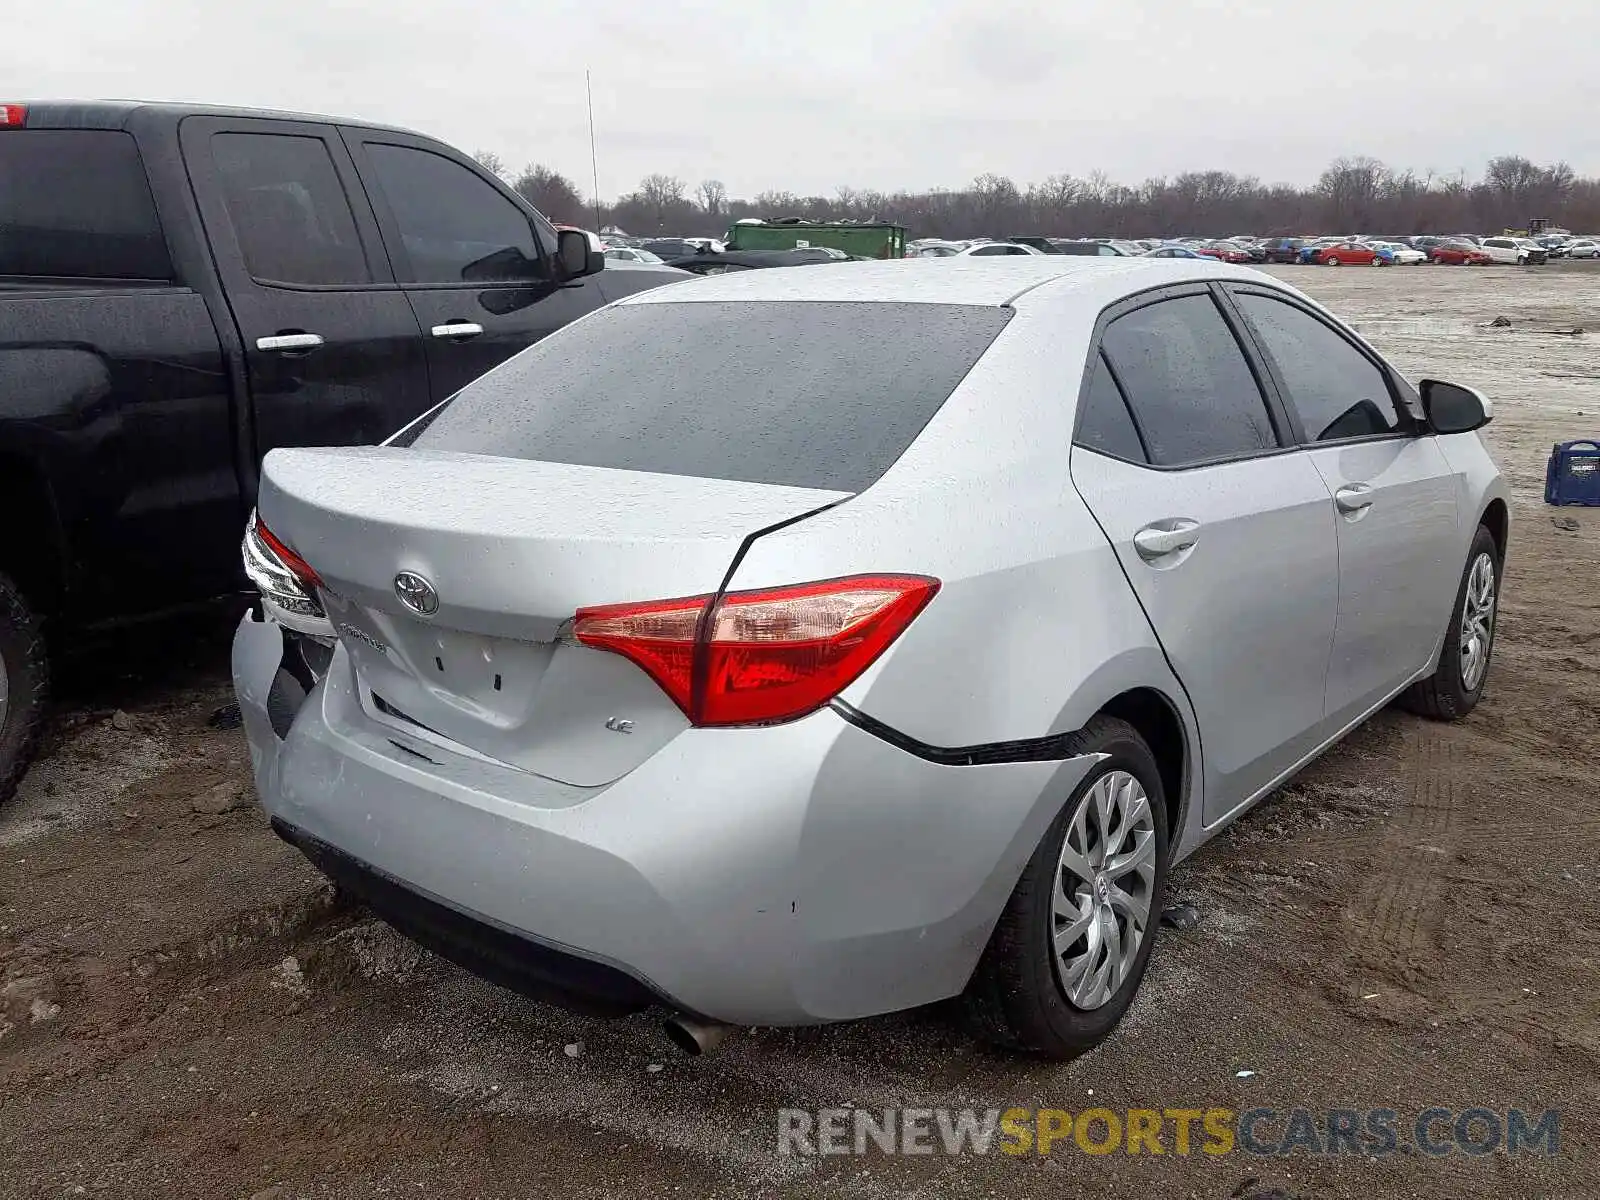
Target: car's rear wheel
<point>1069,951</point>
<point>24,686</point>
<point>1331,261</point>
<point>1456,685</point>
<point>1377,261</point>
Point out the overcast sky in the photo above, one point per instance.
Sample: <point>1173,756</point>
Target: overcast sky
<point>809,95</point>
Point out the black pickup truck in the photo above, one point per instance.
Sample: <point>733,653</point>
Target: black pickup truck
<point>184,288</point>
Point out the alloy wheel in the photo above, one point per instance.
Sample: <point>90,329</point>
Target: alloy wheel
<point>1477,622</point>
<point>1100,909</point>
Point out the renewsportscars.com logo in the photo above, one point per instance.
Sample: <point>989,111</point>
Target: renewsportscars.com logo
<point>1371,1132</point>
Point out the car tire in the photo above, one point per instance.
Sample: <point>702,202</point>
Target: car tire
<point>1331,261</point>
<point>1017,998</point>
<point>1457,683</point>
<point>24,686</point>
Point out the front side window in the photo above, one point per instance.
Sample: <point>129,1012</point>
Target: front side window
<point>454,227</point>
<point>1337,391</point>
<point>1188,383</point>
<point>288,209</point>
<point>75,204</point>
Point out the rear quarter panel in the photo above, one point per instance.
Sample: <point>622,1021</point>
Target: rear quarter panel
<point>1034,627</point>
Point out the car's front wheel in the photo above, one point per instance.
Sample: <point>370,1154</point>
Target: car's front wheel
<point>24,686</point>
<point>1456,685</point>
<point>1071,947</point>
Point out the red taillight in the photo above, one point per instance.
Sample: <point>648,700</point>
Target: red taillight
<point>13,116</point>
<point>298,567</point>
<point>762,656</point>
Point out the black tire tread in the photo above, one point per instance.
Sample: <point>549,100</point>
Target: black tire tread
<point>1439,697</point>
<point>1000,1005</point>
<point>27,654</point>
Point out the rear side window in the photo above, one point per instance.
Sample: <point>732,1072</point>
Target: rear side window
<point>1191,390</point>
<point>1337,391</point>
<point>1105,424</point>
<point>807,394</point>
<point>75,203</point>
<point>454,226</point>
<point>289,210</point>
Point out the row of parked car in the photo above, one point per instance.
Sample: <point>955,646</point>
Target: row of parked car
<point>1332,251</point>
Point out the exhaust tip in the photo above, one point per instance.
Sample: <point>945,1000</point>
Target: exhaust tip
<point>694,1038</point>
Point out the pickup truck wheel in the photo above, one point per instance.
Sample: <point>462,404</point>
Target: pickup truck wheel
<point>24,686</point>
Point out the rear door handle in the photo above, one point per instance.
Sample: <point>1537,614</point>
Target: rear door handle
<point>1166,537</point>
<point>1353,497</point>
<point>457,331</point>
<point>288,343</point>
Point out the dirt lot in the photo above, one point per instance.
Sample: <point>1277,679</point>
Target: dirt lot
<point>184,1010</point>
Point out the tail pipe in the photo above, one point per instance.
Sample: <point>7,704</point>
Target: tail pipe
<point>694,1037</point>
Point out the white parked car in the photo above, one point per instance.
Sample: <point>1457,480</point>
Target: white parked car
<point>1403,255</point>
<point>1583,248</point>
<point>995,249</point>
<point>1518,251</point>
<point>632,254</point>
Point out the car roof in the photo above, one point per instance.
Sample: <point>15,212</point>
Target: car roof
<point>115,114</point>
<point>983,281</point>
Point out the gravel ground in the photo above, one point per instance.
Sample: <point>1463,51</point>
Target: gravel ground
<point>185,1010</point>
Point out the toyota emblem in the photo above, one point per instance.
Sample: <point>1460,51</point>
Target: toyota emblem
<point>416,593</point>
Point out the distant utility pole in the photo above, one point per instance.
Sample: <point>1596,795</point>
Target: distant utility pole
<point>594,160</point>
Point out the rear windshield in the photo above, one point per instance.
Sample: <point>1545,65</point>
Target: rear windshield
<point>806,394</point>
<point>76,204</point>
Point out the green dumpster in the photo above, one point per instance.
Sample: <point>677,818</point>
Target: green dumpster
<point>865,241</point>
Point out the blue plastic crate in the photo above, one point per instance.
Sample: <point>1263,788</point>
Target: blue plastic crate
<point>1573,474</point>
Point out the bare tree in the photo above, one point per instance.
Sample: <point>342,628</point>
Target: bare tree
<point>1355,194</point>
<point>713,197</point>
<point>552,193</point>
<point>1350,187</point>
<point>490,162</point>
<point>661,194</point>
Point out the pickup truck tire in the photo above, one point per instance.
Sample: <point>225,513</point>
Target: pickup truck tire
<point>24,686</point>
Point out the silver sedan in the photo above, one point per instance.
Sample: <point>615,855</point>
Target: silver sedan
<point>795,646</point>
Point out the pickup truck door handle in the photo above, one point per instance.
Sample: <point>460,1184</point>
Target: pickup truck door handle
<point>1155,542</point>
<point>281,343</point>
<point>457,331</point>
<point>1353,498</point>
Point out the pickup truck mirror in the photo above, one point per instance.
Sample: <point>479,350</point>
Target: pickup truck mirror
<point>578,257</point>
<point>1451,408</point>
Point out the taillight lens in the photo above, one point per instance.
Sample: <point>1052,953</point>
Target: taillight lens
<point>762,656</point>
<point>280,574</point>
<point>13,116</point>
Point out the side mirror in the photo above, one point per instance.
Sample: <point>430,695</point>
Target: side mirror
<point>578,257</point>
<point>1451,408</point>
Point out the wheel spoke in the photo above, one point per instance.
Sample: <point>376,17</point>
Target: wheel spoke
<point>1077,925</point>
<point>1140,857</point>
<point>1114,960</point>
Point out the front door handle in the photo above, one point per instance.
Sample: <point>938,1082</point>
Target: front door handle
<point>1166,537</point>
<point>457,331</point>
<point>289,343</point>
<point>1353,498</point>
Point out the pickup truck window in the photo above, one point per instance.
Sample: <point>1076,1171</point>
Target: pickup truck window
<point>76,204</point>
<point>289,210</point>
<point>454,227</point>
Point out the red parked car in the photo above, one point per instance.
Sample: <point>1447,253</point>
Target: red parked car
<point>1460,254</point>
<point>1346,253</point>
<point>1229,252</point>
